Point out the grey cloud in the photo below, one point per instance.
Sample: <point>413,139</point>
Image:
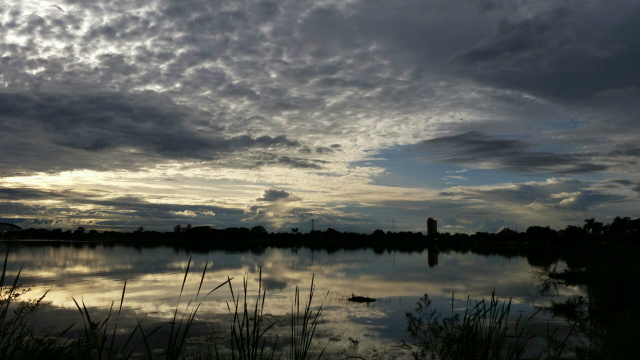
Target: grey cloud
<point>324,150</point>
<point>92,208</point>
<point>27,194</point>
<point>568,52</point>
<point>262,159</point>
<point>305,150</point>
<point>512,39</point>
<point>109,122</point>
<point>248,84</point>
<point>633,185</point>
<point>225,52</point>
<point>626,150</point>
<point>559,194</point>
<point>488,5</point>
<point>106,120</point>
<point>273,195</point>
<point>477,149</point>
<point>300,163</point>
<point>583,200</point>
<point>622,182</point>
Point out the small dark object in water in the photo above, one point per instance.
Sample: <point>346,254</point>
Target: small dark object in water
<point>361,299</point>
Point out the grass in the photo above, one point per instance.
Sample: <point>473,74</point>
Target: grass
<point>249,330</point>
<point>303,326</point>
<point>17,340</point>
<point>483,332</point>
<point>248,333</point>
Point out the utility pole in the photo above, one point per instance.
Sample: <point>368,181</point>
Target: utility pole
<point>393,225</point>
<point>313,227</point>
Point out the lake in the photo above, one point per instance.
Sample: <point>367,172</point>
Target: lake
<point>95,274</point>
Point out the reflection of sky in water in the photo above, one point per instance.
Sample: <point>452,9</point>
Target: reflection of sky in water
<point>396,279</point>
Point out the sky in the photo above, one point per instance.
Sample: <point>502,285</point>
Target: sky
<point>361,115</point>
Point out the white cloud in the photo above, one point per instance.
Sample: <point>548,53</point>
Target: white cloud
<point>187,213</point>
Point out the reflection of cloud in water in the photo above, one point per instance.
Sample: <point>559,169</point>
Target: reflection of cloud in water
<point>155,276</point>
<point>274,284</point>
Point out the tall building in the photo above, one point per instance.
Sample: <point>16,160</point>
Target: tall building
<point>432,227</point>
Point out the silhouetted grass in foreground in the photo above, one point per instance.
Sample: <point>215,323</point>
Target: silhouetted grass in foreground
<point>248,329</point>
<point>483,332</point>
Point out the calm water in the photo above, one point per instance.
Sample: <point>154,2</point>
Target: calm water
<point>96,275</point>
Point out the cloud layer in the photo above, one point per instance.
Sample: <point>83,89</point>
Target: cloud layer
<point>479,150</point>
<point>176,104</point>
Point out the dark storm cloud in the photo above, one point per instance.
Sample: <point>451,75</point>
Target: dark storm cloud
<point>27,194</point>
<point>562,50</point>
<point>565,51</point>
<point>627,150</point>
<point>149,124</point>
<point>102,121</point>
<point>261,53</point>
<point>273,195</point>
<point>633,185</point>
<point>183,43</point>
<point>622,182</point>
<point>477,149</point>
<point>512,39</point>
<point>133,203</point>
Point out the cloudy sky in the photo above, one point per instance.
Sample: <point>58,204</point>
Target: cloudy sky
<point>116,114</point>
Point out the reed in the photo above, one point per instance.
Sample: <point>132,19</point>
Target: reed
<point>248,333</point>
<point>16,338</point>
<point>304,325</point>
<point>248,328</point>
<point>484,332</point>
<point>97,342</point>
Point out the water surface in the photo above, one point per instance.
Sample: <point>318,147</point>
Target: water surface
<point>95,274</point>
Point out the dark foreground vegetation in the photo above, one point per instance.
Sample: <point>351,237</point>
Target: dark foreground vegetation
<point>249,335</point>
<point>602,324</point>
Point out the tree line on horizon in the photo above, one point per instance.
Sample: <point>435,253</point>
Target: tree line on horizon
<point>620,230</point>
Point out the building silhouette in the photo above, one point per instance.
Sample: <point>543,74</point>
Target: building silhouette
<point>432,227</point>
